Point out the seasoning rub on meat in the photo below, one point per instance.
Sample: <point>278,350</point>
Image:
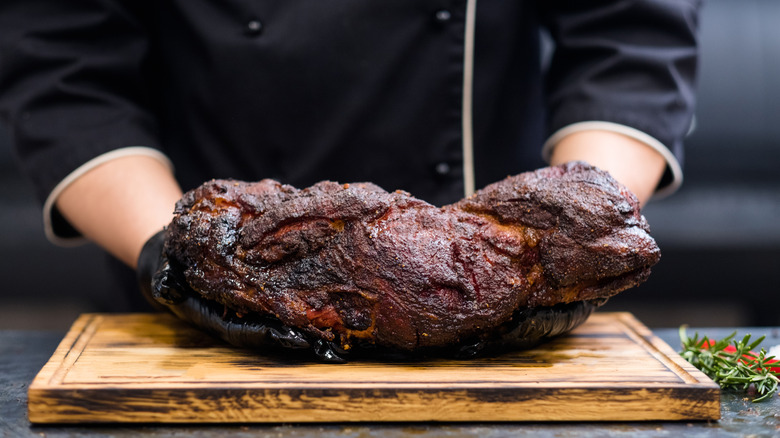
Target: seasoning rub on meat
<point>358,267</point>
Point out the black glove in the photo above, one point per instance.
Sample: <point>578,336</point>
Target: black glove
<point>163,285</point>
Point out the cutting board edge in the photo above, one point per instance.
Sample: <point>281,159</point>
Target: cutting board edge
<point>68,346</point>
<point>664,352</point>
<point>454,405</point>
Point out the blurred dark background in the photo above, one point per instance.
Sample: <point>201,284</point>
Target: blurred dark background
<point>719,235</point>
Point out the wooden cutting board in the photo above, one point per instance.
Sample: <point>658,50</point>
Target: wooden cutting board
<point>154,368</point>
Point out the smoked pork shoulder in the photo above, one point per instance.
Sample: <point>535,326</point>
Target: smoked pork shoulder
<point>353,268</point>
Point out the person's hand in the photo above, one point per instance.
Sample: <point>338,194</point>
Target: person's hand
<point>163,285</point>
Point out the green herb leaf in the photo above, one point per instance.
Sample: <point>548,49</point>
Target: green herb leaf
<point>739,369</point>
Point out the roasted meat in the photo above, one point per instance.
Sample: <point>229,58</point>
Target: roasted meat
<point>358,267</point>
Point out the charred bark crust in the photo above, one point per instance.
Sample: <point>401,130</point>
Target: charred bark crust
<point>353,267</point>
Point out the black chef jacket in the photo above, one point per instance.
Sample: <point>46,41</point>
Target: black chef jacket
<point>346,90</point>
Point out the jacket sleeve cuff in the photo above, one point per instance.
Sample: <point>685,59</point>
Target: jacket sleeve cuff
<point>57,229</point>
<point>672,164</point>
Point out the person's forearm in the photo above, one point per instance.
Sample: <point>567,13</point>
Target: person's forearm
<point>636,165</point>
<point>122,203</point>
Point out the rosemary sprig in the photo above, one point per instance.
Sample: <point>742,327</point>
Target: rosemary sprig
<point>737,369</point>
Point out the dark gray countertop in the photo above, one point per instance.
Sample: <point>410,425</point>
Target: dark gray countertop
<point>23,353</point>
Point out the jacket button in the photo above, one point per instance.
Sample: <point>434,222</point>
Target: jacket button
<point>442,169</point>
<point>254,27</point>
<point>442,16</point>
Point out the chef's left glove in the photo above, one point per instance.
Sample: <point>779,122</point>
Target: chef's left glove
<point>164,285</point>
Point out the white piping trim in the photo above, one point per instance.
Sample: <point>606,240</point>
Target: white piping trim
<point>80,171</point>
<point>598,125</point>
<point>468,82</point>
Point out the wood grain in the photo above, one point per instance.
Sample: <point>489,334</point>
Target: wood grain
<point>154,368</point>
